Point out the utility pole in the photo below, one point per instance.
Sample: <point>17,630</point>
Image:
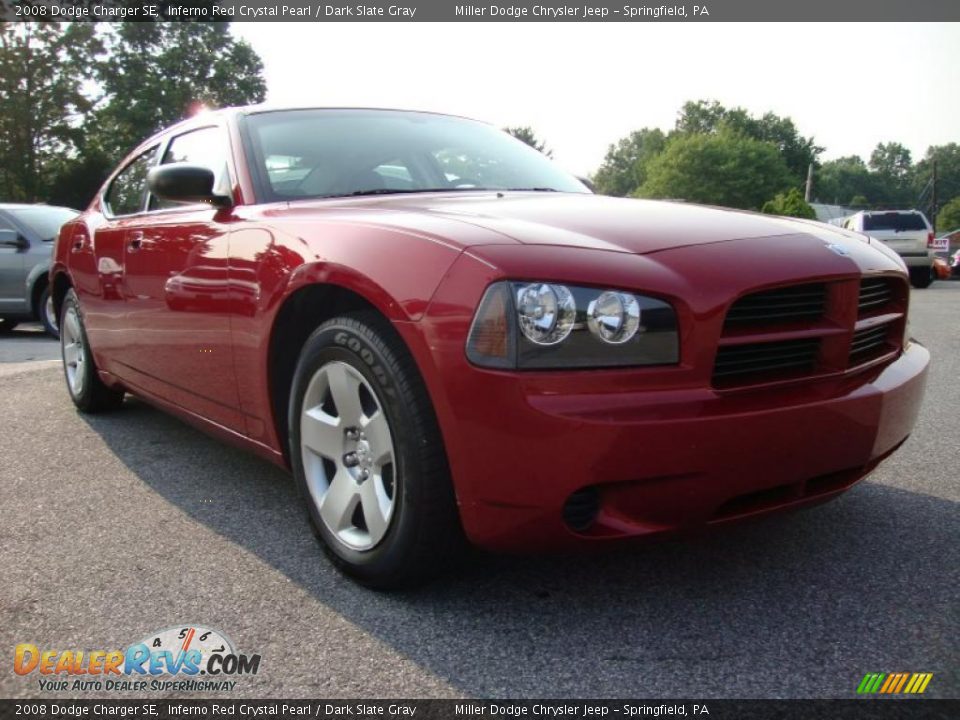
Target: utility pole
<point>809,189</point>
<point>933,220</point>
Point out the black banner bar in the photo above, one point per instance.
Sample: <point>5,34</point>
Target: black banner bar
<point>147,708</point>
<point>629,11</point>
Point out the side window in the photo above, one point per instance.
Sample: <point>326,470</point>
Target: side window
<point>206,147</point>
<point>128,189</point>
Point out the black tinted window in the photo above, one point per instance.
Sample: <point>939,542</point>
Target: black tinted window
<point>128,190</point>
<point>205,147</point>
<point>894,221</point>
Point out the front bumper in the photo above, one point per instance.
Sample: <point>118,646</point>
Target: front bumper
<point>662,461</point>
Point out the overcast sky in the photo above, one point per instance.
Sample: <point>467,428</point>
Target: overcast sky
<point>582,86</point>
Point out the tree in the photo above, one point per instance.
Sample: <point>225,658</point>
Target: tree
<point>624,168</point>
<point>159,73</point>
<point>892,166</point>
<point>842,180</point>
<point>725,168</point>
<point>705,116</point>
<point>948,176</point>
<point>41,93</point>
<point>790,204</point>
<point>527,135</point>
<point>948,219</point>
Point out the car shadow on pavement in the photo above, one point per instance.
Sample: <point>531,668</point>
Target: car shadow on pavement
<point>793,605</point>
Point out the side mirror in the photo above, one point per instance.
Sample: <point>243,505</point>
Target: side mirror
<point>185,182</point>
<point>13,239</point>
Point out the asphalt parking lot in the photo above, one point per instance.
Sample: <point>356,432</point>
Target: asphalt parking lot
<point>118,525</point>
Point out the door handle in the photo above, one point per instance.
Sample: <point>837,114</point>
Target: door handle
<point>136,241</point>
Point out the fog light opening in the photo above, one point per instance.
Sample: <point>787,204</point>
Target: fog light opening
<point>581,508</point>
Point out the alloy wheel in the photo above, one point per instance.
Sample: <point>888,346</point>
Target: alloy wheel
<point>348,456</point>
<point>71,344</point>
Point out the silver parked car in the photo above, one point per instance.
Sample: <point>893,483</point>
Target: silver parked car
<point>26,241</point>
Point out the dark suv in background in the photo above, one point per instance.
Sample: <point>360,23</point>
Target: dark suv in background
<point>26,239</point>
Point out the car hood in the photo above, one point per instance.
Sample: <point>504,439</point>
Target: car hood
<point>566,219</point>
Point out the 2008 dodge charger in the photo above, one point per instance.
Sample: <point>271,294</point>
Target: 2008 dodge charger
<point>446,337</point>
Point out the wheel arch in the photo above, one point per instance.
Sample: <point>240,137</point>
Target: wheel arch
<point>61,284</point>
<point>302,312</point>
<point>39,279</point>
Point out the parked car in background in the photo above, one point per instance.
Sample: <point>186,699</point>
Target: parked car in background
<point>955,263</point>
<point>26,241</point>
<point>906,232</point>
<point>445,336</point>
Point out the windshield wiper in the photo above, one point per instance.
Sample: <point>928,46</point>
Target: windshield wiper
<point>533,189</point>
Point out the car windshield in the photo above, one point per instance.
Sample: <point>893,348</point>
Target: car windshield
<point>337,153</point>
<point>44,221</point>
<point>894,221</point>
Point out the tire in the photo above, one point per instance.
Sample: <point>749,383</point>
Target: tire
<point>86,389</point>
<point>47,314</point>
<point>921,277</point>
<point>7,326</point>
<point>368,457</point>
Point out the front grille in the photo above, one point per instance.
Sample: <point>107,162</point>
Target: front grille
<point>874,294</point>
<point>780,305</point>
<point>763,360</point>
<point>869,343</point>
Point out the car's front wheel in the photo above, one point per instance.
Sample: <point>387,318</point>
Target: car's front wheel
<point>84,385</point>
<point>368,457</point>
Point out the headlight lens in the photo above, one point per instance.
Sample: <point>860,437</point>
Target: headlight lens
<point>546,313</point>
<point>614,317</point>
<point>549,325</point>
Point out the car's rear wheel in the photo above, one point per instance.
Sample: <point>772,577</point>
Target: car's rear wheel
<point>84,385</point>
<point>368,457</point>
<point>48,314</point>
<point>921,277</point>
<point>7,325</point>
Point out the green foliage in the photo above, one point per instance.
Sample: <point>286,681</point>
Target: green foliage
<point>948,172</point>
<point>948,219</point>
<point>705,116</point>
<point>790,204</point>
<point>76,97</point>
<point>527,135</point>
<point>41,92</point>
<point>624,168</point>
<point>725,168</point>
<point>158,73</point>
<point>858,201</point>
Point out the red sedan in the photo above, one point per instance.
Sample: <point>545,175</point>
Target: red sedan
<point>445,337</point>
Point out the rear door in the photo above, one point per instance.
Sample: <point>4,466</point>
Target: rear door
<point>177,333</point>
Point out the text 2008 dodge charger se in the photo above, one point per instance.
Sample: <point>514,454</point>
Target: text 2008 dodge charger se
<point>443,335</point>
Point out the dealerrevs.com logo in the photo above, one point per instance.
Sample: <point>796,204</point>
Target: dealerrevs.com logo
<point>184,659</point>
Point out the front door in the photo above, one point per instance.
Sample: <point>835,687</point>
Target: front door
<point>177,331</point>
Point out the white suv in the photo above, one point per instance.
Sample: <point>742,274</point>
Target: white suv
<point>907,232</point>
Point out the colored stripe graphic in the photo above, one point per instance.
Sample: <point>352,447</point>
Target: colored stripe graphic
<point>894,683</point>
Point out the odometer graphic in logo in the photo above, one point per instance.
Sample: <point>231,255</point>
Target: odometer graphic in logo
<point>191,650</point>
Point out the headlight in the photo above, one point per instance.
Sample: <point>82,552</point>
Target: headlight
<point>552,325</point>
